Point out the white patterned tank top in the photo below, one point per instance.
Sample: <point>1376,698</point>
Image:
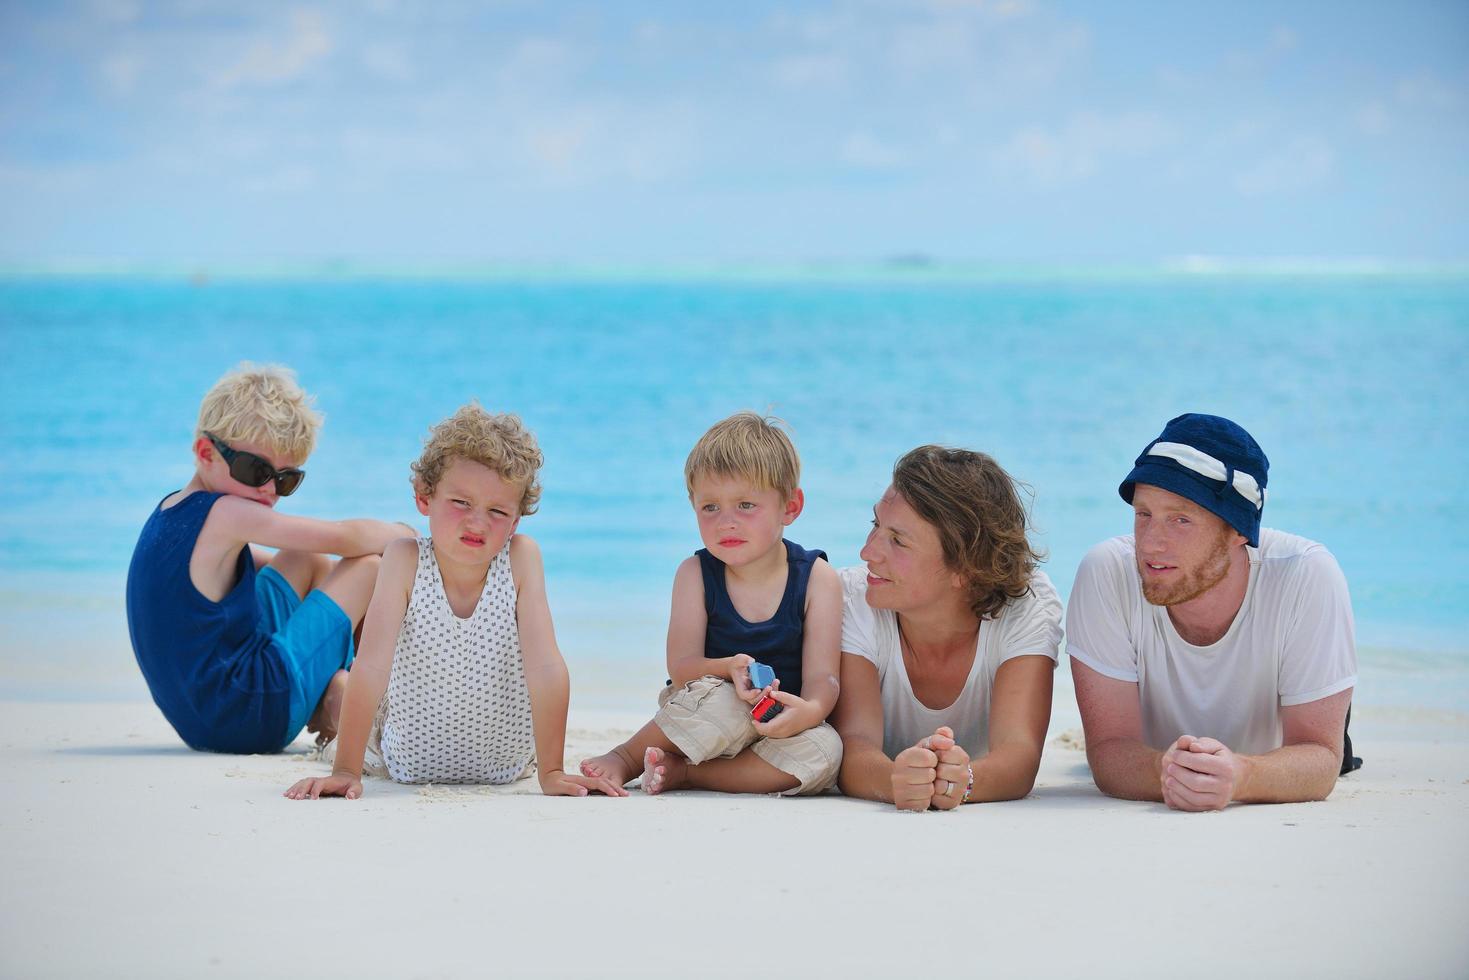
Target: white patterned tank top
<point>457,709</point>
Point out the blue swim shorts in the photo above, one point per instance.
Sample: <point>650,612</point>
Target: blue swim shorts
<point>312,636</point>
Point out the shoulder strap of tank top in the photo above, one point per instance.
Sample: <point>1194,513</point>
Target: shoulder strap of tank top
<point>713,571</point>
<point>799,561</point>
<point>500,574</point>
<point>426,576</point>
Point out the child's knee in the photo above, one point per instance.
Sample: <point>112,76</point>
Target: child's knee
<point>705,719</point>
<point>814,757</point>
<point>288,562</point>
<point>367,563</point>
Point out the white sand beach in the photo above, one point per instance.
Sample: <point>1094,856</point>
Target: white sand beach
<point>126,854</point>
<point>1031,229</point>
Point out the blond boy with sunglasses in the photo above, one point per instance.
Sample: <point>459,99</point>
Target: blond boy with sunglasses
<point>242,648</point>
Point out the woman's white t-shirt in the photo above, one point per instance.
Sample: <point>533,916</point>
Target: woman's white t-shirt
<point>1029,625</point>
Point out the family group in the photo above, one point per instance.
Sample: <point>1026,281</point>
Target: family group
<point>1213,660</point>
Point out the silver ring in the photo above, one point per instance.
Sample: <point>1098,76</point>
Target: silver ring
<point>949,790</point>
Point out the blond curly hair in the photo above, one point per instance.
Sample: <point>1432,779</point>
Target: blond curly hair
<point>261,404</point>
<point>500,442</point>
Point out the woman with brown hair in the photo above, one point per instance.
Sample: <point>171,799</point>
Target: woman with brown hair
<point>949,640</point>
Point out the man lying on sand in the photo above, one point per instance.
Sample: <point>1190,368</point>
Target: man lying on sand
<point>1213,661</point>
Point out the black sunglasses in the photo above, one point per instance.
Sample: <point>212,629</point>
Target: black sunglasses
<point>253,471</point>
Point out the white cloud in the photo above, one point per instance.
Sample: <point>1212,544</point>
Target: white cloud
<point>1040,59</point>
<point>1418,95</point>
<point>402,150</point>
<point>289,179</point>
<point>116,11</point>
<point>1007,9</point>
<point>1426,91</point>
<point>213,149</point>
<point>283,59</point>
<point>387,61</point>
<point>998,9</point>
<point>819,71</point>
<point>969,47</point>
<point>1373,118</point>
<point>1172,78</point>
<point>862,149</point>
<point>1082,146</point>
<point>940,45</point>
<point>18,182</point>
<point>1269,51</point>
<point>607,141</point>
<point>651,33</point>
<point>120,72</point>
<point>558,144</point>
<point>1301,163</point>
<point>819,29</point>
<point>536,63</point>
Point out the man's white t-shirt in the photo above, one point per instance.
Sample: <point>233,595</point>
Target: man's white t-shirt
<point>1292,642</point>
<point>1028,625</point>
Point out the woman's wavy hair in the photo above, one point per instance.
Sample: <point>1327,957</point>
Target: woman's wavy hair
<point>976,508</point>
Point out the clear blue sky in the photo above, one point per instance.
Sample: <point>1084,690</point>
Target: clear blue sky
<point>1009,131</point>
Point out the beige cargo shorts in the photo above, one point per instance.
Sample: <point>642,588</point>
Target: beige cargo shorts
<point>707,720</point>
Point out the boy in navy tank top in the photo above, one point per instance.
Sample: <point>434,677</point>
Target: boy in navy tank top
<point>242,648</point>
<point>747,596</point>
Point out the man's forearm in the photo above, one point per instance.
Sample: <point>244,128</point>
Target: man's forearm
<point>1290,774</point>
<point>1126,768</point>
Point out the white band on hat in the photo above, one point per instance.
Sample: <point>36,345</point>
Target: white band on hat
<point>1206,465</point>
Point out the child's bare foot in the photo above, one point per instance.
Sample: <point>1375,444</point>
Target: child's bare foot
<point>616,765</point>
<point>663,771</point>
<point>323,721</point>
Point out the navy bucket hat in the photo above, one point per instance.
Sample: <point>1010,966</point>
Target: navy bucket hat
<point>1212,462</point>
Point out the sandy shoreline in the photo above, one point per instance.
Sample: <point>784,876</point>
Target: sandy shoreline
<point>126,854</point>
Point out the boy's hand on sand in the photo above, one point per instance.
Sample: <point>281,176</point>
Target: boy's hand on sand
<point>951,774</point>
<point>797,714</point>
<point>558,783</point>
<point>318,786</point>
<point>913,776</point>
<point>1202,776</point>
<point>739,676</point>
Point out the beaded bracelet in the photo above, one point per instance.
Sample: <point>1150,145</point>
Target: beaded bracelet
<point>970,788</point>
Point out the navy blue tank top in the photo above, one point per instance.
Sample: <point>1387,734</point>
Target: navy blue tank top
<point>777,641</point>
<point>212,671</point>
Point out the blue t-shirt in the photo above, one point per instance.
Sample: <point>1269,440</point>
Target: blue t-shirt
<point>777,641</point>
<point>210,666</point>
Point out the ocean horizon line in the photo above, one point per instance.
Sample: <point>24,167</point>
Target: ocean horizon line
<point>915,267</point>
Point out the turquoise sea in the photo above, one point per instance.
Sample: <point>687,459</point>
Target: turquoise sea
<point>1355,386</point>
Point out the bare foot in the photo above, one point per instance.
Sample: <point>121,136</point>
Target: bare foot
<point>663,771</point>
<point>616,765</point>
<point>323,721</point>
